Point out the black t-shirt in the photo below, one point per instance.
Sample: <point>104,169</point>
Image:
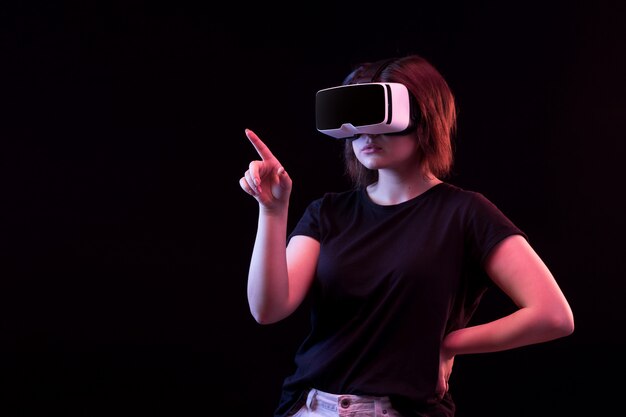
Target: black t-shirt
<point>391,281</point>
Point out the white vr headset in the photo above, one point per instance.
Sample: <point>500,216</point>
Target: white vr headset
<point>375,108</point>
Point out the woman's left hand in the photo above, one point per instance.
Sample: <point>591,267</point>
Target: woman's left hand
<point>446,361</point>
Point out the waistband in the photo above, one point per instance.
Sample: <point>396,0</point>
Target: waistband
<point>333,402</point>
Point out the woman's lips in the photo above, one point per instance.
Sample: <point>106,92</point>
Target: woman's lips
<point>371,149</point>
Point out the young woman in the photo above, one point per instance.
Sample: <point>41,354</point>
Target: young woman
<point>394,267</point>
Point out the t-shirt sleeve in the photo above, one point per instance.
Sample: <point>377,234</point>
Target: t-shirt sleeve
<point>309,223</point>
<point>487,227</point>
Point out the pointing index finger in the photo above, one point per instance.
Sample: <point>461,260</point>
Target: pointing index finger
<point>263,151</point>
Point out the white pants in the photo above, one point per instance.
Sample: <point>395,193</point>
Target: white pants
<point>324,404</point>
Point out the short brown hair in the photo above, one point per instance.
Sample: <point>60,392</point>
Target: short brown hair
<point>436,123</point>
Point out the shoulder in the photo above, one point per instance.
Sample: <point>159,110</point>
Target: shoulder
<point>329,208</point>
<point>333,202</point>
<point>457,196</point>
<point>472,208</point>
<point>456,191</point>
<point>338,198</point>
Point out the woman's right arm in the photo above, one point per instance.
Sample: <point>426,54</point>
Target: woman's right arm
<point>279,275</point>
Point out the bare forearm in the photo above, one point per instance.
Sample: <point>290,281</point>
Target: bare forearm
<point>524,327</point>
<point>544,313</point>
<point>268,284</point>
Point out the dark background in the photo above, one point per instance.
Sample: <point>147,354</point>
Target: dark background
<point>125,238</point>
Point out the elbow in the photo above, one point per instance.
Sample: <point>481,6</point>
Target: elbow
<point>263,317</point>
<point>567,326</point>
<point>561,324</point>
<point>260,319</point>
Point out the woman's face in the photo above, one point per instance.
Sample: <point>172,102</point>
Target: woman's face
<point>394,152</point>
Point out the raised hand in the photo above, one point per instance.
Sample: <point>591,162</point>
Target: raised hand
<point>266,179</point>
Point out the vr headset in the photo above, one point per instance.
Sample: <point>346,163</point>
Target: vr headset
<point>375,108</point>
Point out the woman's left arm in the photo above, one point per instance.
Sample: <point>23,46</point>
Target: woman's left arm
<point>543,312</point>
